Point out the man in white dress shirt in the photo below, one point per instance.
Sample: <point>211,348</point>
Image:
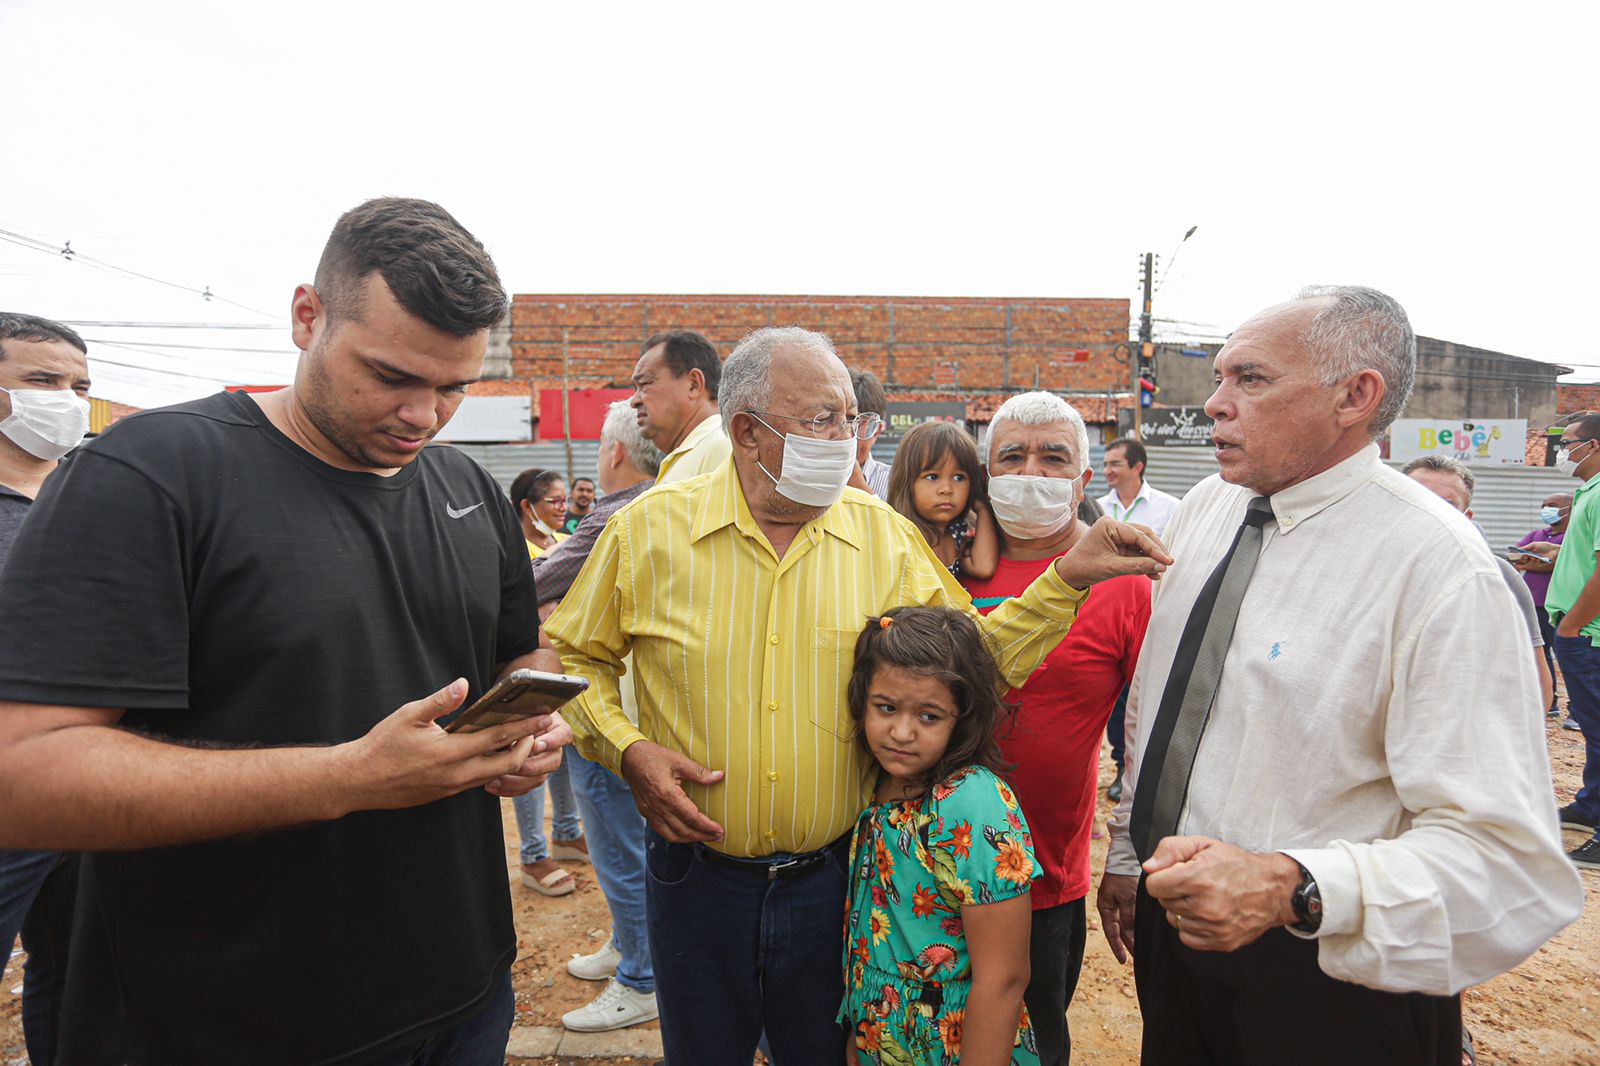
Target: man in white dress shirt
<point>1367,826</point>
<point>1132,498</point>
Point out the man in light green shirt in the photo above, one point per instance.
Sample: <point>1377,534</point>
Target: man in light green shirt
<point>1574,605</point>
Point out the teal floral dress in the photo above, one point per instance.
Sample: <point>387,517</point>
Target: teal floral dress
<point>913,864</point>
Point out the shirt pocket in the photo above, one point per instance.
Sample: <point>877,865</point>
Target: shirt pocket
<point>832,655</point>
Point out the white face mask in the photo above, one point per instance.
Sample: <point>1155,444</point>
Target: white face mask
<point>46,423</point>
<point>1564,461</point>
<point>815,471</point>
<point>1033,508</point>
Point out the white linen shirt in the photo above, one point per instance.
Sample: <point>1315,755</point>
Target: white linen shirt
<point>1150,507</point>
<point>1376,721</point>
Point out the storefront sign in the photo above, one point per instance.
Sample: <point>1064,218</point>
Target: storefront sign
<point>1168,427</point>
<point>1488,441</point>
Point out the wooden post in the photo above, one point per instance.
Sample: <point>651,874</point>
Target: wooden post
<point>566,401</point>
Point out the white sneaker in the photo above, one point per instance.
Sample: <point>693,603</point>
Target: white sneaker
<point>616,1008</point>
<point>600,966</point>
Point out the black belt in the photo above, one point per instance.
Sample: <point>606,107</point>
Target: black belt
<point>775,869</point>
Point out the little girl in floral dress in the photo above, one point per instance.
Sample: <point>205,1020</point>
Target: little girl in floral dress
<point>938,913</point>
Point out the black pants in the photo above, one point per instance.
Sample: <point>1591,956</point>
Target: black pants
<point>1055,952</point>
<point>1268,1003</point>
<point>1548,632</point>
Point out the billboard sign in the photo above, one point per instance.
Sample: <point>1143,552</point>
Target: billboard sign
<point>586,415</point>
<point>902,416</point>
<point>1168,427</point>
<point>1487,441</point>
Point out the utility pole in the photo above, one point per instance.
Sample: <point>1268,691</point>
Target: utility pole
<point>1147,347</point>
<point>566,399</point>
<point>1144,361</point>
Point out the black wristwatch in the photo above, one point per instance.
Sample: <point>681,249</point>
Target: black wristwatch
<point>1307,903</point>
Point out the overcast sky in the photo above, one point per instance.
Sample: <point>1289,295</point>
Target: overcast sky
<point>1442,152</point>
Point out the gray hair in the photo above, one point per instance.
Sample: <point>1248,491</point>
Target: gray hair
<point>1041,409</point>
<point>1363,329</point>
<point>622,427</point>
<point>747,373</point>
<point>1445,465</point>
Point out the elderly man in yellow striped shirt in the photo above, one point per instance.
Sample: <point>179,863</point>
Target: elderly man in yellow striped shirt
<point>740,593</point>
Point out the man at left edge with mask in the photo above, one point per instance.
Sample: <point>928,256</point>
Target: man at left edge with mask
<point>44,379</point>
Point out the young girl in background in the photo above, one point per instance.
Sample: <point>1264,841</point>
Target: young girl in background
<point>938,483</point>
<point>936,934</point>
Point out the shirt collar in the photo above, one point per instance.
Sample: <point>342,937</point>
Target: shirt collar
<point>1585,487</point>
<point>7,490</point>
<point>1297,503</point>
<point>722,504</point>
<point>700,432</point>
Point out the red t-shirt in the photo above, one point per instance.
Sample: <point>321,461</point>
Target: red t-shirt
<point>1054,740</point>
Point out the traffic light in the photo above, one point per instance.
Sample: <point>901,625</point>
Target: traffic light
<point>1147,364</point>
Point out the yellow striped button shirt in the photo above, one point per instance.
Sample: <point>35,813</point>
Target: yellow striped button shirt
<point>742,659</point>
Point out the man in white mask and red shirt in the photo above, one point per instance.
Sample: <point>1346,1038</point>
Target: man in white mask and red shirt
<point>44,377</point>
<point>1038,471</point>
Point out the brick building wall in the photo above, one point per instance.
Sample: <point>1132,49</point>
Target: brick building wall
<point>922,348</point>
<point>1571,399</point>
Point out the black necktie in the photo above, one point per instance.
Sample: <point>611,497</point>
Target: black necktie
<point>1191,688</point>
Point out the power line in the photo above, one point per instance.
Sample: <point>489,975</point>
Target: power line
<point>67,252</point>
<point>201,347</point>
<point>170,373</point>
<point>165,325</point>
<point>174,373</point>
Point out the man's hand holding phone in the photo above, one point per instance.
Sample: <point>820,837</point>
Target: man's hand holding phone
<point>540,764</point>
<point>407,759</point>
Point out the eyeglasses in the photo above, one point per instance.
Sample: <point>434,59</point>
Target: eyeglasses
<point>862,427</point>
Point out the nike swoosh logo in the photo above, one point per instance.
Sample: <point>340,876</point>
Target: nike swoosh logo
<point>453,513</point>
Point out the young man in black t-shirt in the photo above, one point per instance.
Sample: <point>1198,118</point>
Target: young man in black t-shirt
<point>285,868</point>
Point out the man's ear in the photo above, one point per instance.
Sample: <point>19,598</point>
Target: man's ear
<point>1088,476</point>
<point>307,316</point>
<point>1359,397</point>
<point>619,455</point>
<point>697,383</point>
<point>742,430</point>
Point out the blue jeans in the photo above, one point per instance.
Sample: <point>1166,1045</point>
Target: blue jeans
<point>564,823</point>
<point>616,847</point>
<point>736,953</point>
<point>1580,668</point>
<point>37,891</point>
<point>479,1041</point>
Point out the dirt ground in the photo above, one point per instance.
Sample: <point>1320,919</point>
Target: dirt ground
<point>1545,1011</point>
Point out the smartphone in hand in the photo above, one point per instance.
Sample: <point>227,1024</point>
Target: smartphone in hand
<point>520,694</point>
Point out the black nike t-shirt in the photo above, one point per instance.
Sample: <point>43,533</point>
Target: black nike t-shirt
<point>199,569</point>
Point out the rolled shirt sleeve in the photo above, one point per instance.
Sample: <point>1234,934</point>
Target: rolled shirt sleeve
<point>588,632</point>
